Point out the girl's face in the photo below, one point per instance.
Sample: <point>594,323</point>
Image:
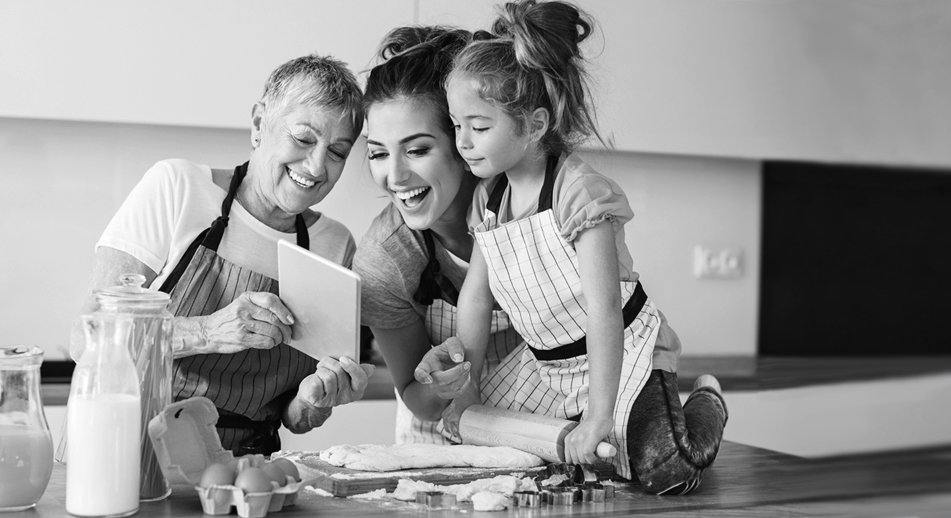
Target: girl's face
<point>412,158</point>
<point>301,155</point>
<point>487,138</point>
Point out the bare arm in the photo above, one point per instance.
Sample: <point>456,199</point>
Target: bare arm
<point>254,320</point>
<point>475,319</point>
<point>403,349</point>
<point>598,266</point>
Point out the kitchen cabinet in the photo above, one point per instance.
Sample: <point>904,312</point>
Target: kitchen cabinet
<point>860,81</point>
<point>175,62</point>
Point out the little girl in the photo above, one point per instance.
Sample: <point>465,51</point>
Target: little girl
<point>551,252</point>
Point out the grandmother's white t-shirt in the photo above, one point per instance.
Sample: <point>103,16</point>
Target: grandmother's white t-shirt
<point>177,199</point>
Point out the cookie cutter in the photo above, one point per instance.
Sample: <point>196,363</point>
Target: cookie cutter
<point>592,492</point>
<point>435,499</point>
<point>565,496</point>
<point>528,498</point>
<point>584,473</point>
<point>608,490</point>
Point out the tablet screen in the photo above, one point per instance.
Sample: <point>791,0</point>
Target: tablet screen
<point>325,300</point>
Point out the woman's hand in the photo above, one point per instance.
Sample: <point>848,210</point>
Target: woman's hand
<point>443,368</point>
<point>453,413</point>
<point>581,443</point>
<point>334,383</point>
<point>255,320</point>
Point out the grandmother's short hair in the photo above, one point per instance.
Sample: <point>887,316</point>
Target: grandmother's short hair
<point>314,80</point>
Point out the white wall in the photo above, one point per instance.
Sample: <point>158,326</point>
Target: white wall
<point>60,183</point>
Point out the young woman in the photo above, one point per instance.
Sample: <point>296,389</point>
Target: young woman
<point>415,255</point>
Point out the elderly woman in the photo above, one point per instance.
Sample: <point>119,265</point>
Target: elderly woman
<point>208,238</point>
<point>415,255</point>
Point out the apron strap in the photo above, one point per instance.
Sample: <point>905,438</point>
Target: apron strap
<point>210,238</point>
<point>629,312</point>
<point>544,196</point>
<point>432,284</point>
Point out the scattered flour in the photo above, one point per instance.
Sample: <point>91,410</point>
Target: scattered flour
<point>489,501</point>
<point>317,491</point>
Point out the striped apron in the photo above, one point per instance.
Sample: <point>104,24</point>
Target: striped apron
<point>436,292</point>
<point>249,388</point>
<point>533,274</point>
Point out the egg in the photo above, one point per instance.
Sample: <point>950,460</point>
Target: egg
<point>289,468</point>
<point>253,480</point>
<point>217,475</point>
<point>275,473</point>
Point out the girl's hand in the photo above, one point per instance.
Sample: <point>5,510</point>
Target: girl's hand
<point>453,413</point>
<point>443,368</point>
<point>581,443</point>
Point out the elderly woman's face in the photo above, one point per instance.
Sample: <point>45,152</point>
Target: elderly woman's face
<point>413,159</point>
<point>301,155</point>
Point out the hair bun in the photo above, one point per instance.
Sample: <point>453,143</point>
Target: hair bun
<point>544,35</point>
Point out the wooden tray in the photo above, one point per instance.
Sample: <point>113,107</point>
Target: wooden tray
<point>346,482</point>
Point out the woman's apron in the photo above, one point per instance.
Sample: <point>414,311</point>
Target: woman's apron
<point>533,274</point>
<point>250,388</point>
<point>440,296</point>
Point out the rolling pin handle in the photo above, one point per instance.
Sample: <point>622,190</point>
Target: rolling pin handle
<point>605,450</point>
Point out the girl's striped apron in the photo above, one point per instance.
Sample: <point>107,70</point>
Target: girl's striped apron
<point>533,274</point>
<point>436,292</point>
<point>250,388</point>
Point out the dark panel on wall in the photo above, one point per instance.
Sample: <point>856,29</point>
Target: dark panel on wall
<point>856,261</point>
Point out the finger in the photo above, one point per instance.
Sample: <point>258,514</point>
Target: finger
<point>429,364</point>
<point>329,375</point>
<point>272,303</point>
<point>448,376</point>
<point>263,335</point>
<point>455,349</point>
<point>268,323</point>
<point>358,377</point>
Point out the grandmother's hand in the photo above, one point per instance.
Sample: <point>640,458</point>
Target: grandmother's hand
<point>335,383</point>
<point>255,320</point>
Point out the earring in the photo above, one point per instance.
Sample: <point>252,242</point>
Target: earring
<point>255,142</point>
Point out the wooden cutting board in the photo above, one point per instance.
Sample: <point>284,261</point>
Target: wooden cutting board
<point>346,482</point>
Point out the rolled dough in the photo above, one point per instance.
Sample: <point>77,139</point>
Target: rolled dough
<point>380,457</point>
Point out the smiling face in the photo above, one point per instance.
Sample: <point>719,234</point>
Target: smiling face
<point>300,156</point>
<point>487,138</point>
<point>412,158</point>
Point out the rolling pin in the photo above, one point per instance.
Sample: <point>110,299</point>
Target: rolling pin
<point>542,435</point>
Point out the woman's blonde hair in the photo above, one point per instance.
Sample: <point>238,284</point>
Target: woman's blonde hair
<point>318,81</point>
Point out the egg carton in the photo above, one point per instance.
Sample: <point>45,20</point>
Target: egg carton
<point>185,442</point>
<point>220,499</point>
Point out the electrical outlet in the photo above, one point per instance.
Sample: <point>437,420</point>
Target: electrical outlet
<point>717,262</point>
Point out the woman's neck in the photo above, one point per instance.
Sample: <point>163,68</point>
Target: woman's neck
<point>452,228</point>
<point>263,210</point>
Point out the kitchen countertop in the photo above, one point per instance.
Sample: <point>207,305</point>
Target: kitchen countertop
<point>745,481</point>
<point>747,373</point>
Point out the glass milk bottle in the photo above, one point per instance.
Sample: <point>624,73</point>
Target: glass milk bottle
<point>103,422</point>
<point>151,349</point>
<point>26,448</point>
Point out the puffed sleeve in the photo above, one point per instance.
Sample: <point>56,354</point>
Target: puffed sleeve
<point>477,209</point>
<point>583,198</point>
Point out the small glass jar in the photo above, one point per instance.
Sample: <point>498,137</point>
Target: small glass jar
<point>26,447</point>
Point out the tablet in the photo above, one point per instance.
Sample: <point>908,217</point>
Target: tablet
<point>325,300</point>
